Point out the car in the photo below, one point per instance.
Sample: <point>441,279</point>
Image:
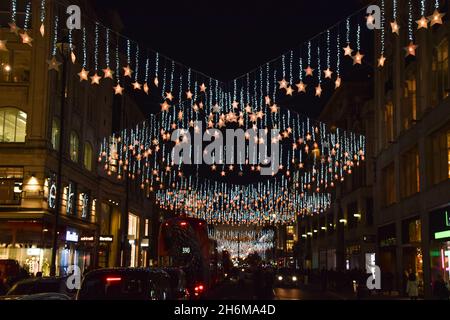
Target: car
<point>32,286</point>
<point>125,284</point>
<point>286,277</point>
<point>177,283</point>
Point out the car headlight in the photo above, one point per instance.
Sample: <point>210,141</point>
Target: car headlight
<point>294,278</point>
<point>280,278</point>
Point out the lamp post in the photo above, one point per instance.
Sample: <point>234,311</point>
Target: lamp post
<point>64,47</point>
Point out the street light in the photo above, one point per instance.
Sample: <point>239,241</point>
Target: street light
<point>65,49</point>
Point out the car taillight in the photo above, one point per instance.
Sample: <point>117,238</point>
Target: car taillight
<point>199,289</point>
<point>113,279</point>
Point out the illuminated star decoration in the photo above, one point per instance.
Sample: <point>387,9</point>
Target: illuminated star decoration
<point>136,85</point>
<point>357,58</point>
<point>337,83</point>
<point>42,29</point>
<point>348,51</point>
<point>395,27</point>
<point>283,84</point>
<point>127,72</point>
<point>289,91</point>
<point>169,96</point>
<point>203,88</point>
<point>53,64</point>
<point>118,90</point>
<point>189,95</point>
<point>156,81</point>
<point>3,45</point>
<point>26,39</point>
<point>436,18</point>
<point>73,57</point>
<point>274,109</point>
<point>309,71</point>
<point>108,73</point>
<point>411,49</point>
<point>328,73</point>
<point>95,79</point>
<point>13,28</point>
<point>146,88</point>
<point>301,87</point>
<point>318,90</point>
<point>381,61</point>
<point>83,74</point>
<point>422,23</point>
<point>165,106</point>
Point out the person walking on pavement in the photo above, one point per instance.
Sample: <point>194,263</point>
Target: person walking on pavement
<point>412,286</point>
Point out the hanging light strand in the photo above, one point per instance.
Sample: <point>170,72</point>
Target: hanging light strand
<point>27,16</point>
<point>13,11</point>
<point>84,49</point>
<point>96,48</point>
<point>107,57</point>
<point>410,21</point>
<point>55,36</point>
<point>383,21</point>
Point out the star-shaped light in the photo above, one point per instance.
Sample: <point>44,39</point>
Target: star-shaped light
<point>422,23</point>
<point>108,73</point>
<point>95,79</point>
<point>189,95</point>
<point>328,73</point>
<point>169,96</point>
<point>53,64</point>
<point>13,28</point>
<point>436,18</point>
<point>260,114</point>
<point>136,85</point>
<point>357,58</point>
<point>165,106</point>
<point>42,29</point>
<point>235,104</point>
<point>395,27</point>
<point>73,57</point>
<point>318,90</point>
<point>146,88</point>
<point>203,88</point>
<point>274,109</point>
<point>248,109</point>
<point>309,71</point>
<point>156,81</point>
<point>83,74</point>
<point>3,45</point>
<point>267,100</point>
<point>338,82</point>
<point>301,87</point>
<point>283,84</point>
<point>381,61</point>
<point>411,49</point>
<point>216,108</point>
<point>127,72</point>
<point>26,39</point>
<point>348,51</point>
<point>118,90</point>
<point>289,91</point>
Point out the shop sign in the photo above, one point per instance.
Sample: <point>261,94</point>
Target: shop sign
<point>71,236</point>
<point>106,238</point>
<point>87,239</point>
<point>186,250</point>
<point>70,207</point>
<point>52,192</point>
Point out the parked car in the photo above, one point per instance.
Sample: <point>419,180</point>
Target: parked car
<point>178,285</point>
<point>287,278</point>
<point>125,284</point>
<point>32,286</point>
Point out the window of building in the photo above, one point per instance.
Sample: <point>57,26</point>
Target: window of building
<point>88,156</point>
<point>410,183</point>
<point>74,147</point>
<point>290,230</point>
<point>13,125</point>
<point>389,185</point>
<point>11,181</point>
<point>389,123</point>
<point>15,65</point>
<point>289,245</point>
<point>438,156</point>
<point>55,134</point>
<point>440,73</point>
<point>409,108</point>
<point>133,238</point>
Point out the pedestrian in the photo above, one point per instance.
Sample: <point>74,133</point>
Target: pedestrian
<point>440,290</point>
<point>412,286</point>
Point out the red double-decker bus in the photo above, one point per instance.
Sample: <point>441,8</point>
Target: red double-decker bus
<point>184,243</point>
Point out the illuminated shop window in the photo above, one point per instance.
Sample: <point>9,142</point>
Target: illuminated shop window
<point>13,125</point>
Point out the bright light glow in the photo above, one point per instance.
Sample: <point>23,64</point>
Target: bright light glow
<point>442,235</point>
<point>343,221</point>
<point>280,278</point>
<point>7,68</point>
<point>113,279</point>
<point>357,215</point>
<point>294,278</point>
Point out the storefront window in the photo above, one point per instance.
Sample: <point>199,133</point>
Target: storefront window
<point>133,238</point>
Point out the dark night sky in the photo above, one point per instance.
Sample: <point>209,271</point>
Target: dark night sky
<point>225,39</point>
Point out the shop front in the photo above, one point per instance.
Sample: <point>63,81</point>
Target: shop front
<point>412,250</point>
<point>440,244</point>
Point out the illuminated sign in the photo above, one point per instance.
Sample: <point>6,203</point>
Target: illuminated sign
<point>52,192</point>
<point>186,250</point>
<point>87,239</point>
<point>70,199</point>
<point>106,238</point>
<point>85,205</point>
<point>34,252</point>
<point>145,243</point>
<point>71,236</point>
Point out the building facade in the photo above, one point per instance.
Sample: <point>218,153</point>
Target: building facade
<point>103,222</point>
